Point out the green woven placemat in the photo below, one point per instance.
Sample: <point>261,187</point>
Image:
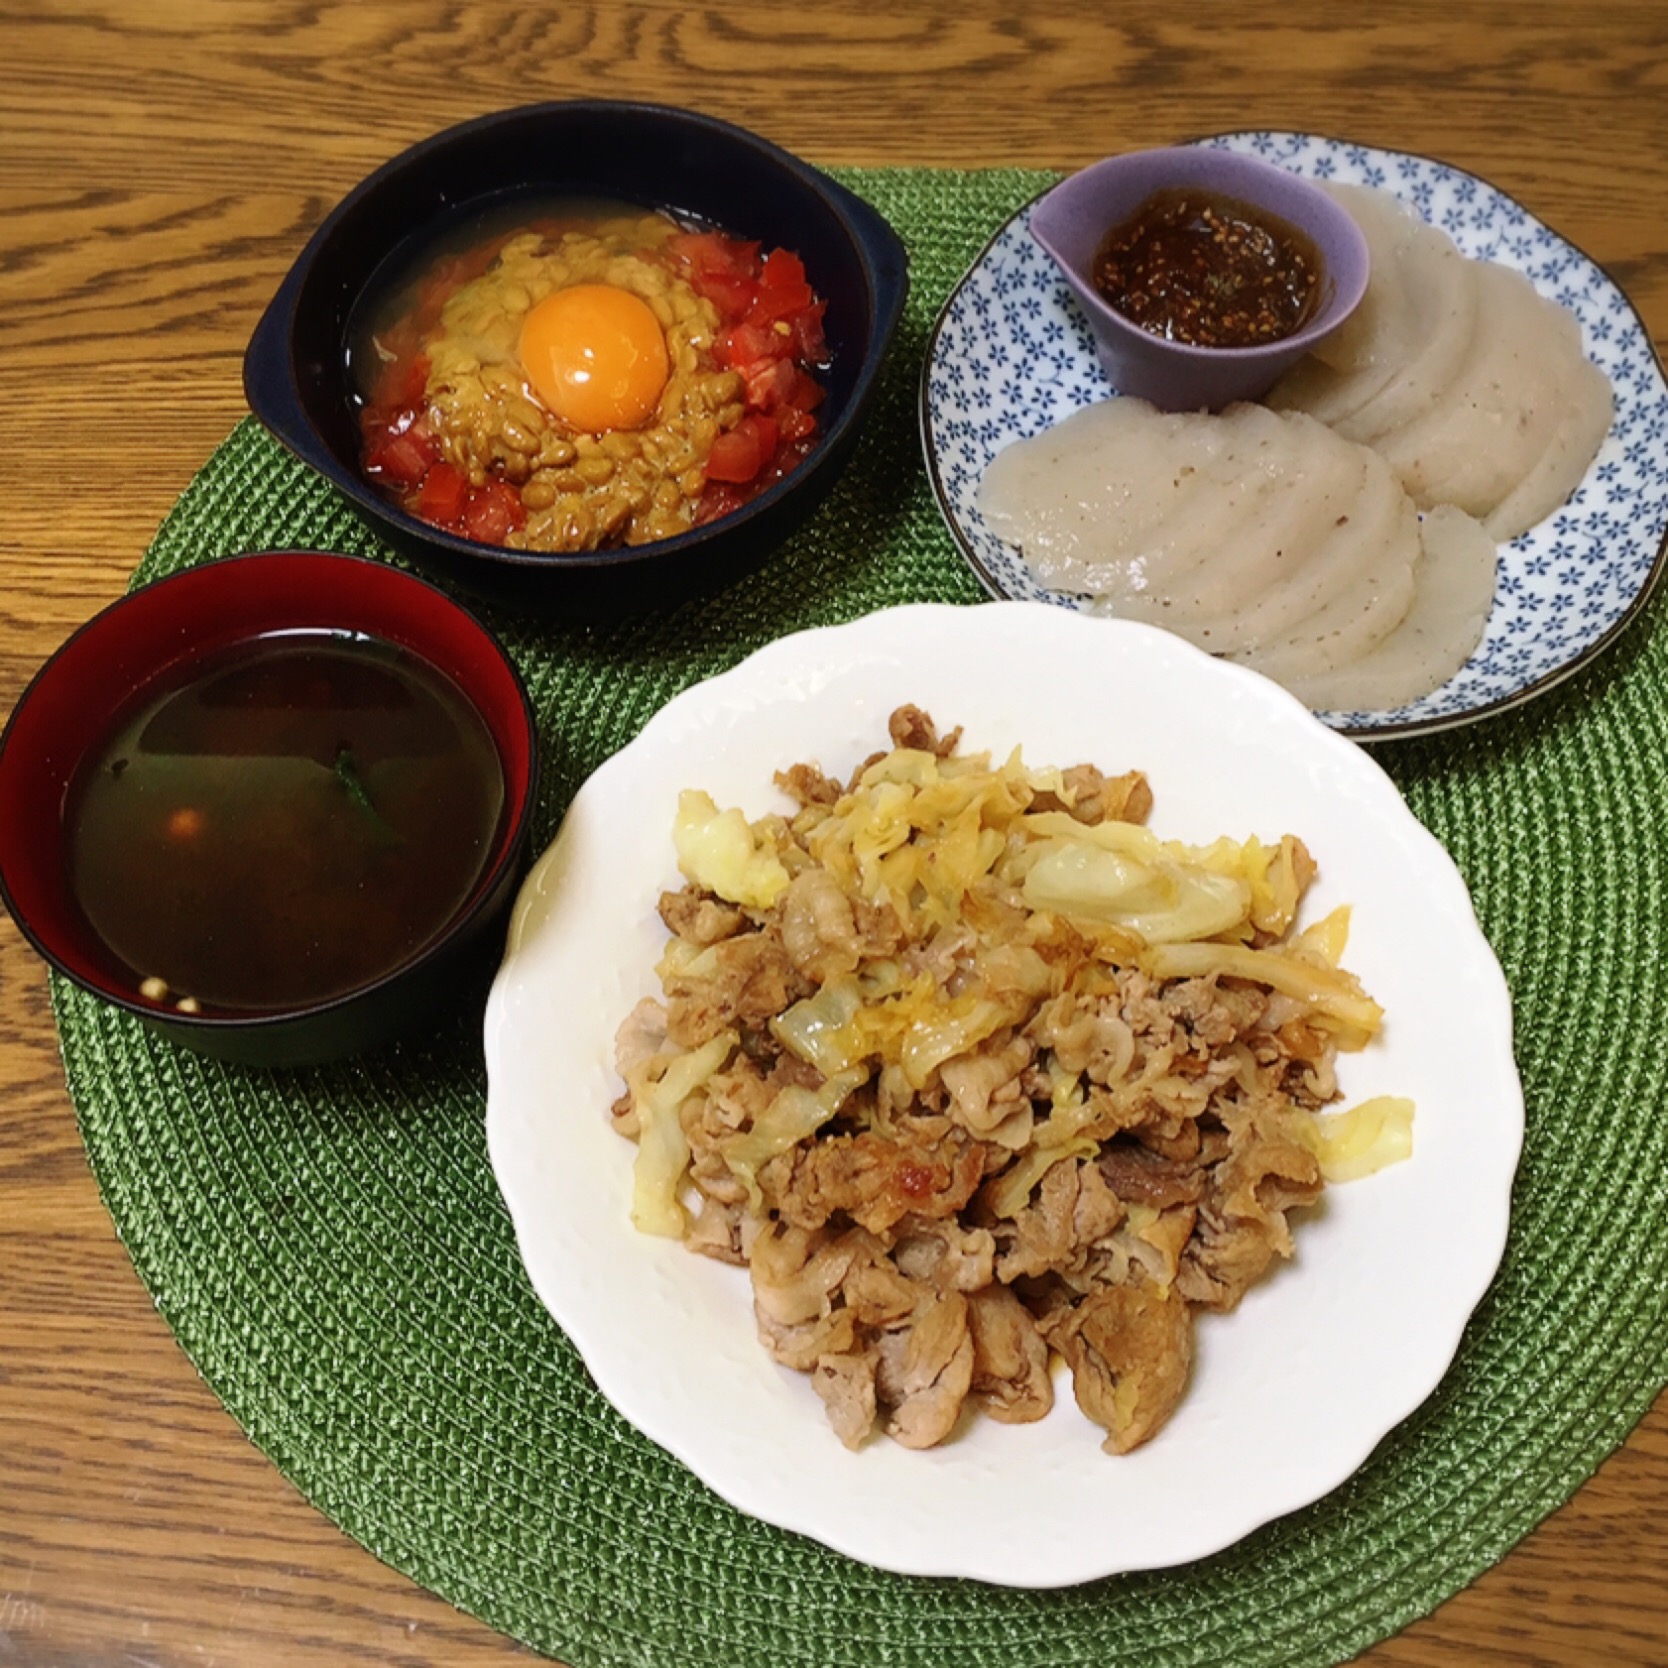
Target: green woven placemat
<point>330,1248</point>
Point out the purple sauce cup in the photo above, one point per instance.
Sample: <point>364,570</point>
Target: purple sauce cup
<point>1072,220</point>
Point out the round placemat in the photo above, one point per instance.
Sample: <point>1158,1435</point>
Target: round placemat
<point>331,1251</point>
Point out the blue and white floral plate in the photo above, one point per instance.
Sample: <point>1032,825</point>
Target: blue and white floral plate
<point>1011,354</point>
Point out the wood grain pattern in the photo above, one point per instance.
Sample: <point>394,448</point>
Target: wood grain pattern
<point>159,168</point>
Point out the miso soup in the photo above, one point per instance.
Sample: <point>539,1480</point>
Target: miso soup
<point>287,821</point>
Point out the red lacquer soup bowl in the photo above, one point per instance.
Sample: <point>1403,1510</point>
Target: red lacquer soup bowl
<point>276,805</point>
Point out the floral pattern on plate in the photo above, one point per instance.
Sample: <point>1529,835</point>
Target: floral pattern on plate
<point>1011,354</point>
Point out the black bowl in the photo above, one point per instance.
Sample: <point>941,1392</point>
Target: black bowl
<point>157,638</point>
<point>295,372</point>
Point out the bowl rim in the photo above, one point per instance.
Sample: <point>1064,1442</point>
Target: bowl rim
<point>510,844</point>
<point>1247,171</point>
<point>271,380</point>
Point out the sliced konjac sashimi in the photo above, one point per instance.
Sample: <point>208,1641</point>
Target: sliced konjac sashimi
<point>1493,405</point>
<point>1161,490</point>
<point>1453,594</point>
<point>1308,580</point>
<point>1499,414</point>
<point>1336,637</point>
<point>1558,471</point>
<point>1397,349</point>
<point>1311,485</point>
<point>1380,519</point>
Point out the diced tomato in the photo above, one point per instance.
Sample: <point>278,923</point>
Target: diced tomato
<point>782,270</point>
<point>399,392</point>
<point>806,394</point>
<point>745,344</point>
<point>443,494</point>
<point>401,459</point>
<point>783,289</point>
<point>493,512</point>
<point>810,343</point>
<point>734,457</point>
<point>730,293</point>
<point>794,424</point>
<point>780,301</point>
<point>415,388</point>
<point>740,454</point>
<point>765,428</point>
<point>720,499</point>
<point>713,252</point>
<point>768,383</point>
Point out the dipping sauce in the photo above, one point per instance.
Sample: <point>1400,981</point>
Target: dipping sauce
<point>1199,267</point>
<point>286,821</point>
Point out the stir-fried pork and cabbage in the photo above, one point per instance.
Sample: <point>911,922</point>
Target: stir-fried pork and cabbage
<point>969,1069</point>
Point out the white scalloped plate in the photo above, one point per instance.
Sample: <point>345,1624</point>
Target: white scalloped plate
<point>1291,1392</point>
<point>1011,355</point>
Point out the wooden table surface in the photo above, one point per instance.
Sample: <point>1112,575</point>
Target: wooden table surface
<point>160,166</point>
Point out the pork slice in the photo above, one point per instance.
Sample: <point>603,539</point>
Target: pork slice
<point>699,916</point>
<point>874,1181</point>
<point>819,930</point>
<point>1010,1380</point>
<point>846,1384</point>
<point>1041,1238</point>
<point>796,1271</point>
<point>1223,1260</point>
<point>944,1255</point>
<point>1090,797</point>
<point>751,980</point>
<point>976,1083</point>
<point>807,786</point>
<point>804,1343</point>
<point>908,726</point>
<point>1140,1177</point>
<point>924,1370</point>
<point>1130,1349</point>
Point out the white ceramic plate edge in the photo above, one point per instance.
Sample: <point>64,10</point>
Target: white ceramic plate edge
<point>781,1463</point>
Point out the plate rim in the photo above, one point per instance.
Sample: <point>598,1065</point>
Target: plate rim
<point>1364,733</point>
<point>514,1184</point>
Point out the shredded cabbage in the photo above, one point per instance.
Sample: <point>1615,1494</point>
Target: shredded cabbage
<point>1163,900</point>
<point>1331,993</point>
<point>1361,1141</point>
<point>721,851</point>
<point>819,1029</point>
<point>662,1147</point>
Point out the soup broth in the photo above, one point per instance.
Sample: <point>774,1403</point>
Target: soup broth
<point>297,817</point>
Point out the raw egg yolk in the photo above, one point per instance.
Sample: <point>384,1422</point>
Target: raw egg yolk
<point>596,356</point>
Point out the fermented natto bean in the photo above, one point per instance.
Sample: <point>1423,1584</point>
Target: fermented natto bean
<point>539,492</point>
